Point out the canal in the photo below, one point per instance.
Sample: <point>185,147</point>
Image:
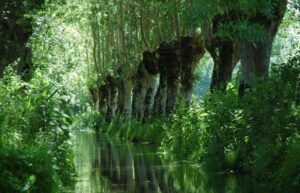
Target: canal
<point>107,165</point>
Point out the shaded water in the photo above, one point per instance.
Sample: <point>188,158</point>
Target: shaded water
<point>107,165</point>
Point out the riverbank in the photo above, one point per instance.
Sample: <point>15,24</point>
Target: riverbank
<point>257,134</point>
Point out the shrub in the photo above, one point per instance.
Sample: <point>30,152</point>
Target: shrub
<point>35,150</point>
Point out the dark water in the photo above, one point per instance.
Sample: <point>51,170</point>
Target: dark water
<point>106,165</point>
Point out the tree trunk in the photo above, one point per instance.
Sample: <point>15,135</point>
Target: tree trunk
<point>128,99</point>
<point>112,97</point>
<point>159,107</point>
<point>169,69</point>
<point>135,94</point>
<point>172,94</point>
<point>94,93</point>
<point>121,100</point>
<point>162,95</point>
<point>140,99</point>
<point>187,84</point>
<point>225,55</point>
<point>103,100</point>
<point>137,91</point>
<point>255,59</point>
<point>109,112</point>
<point>144,82</point>
<point>149,99</point>
<point>191,51</point>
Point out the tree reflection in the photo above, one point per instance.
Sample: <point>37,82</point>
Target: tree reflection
<point>113,167</point>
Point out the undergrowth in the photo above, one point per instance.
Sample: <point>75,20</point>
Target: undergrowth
<point>35,150</point>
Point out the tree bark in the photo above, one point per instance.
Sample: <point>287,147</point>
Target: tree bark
<point>149,99</point>
<point>94,93</point>
<point>140,93</point>
<point>169,69</point>
<point>145,84</point>
<point>172,94</point>
<point>103,100</point>
<point>191,51</point>
<point>121,95</point>
<point>112,97</point>
<point>160,100</point>
<point>255,59</point>
<point>162,96</point>
<point>225,55</point>
<point>128,86</point>
<point>109,111</point>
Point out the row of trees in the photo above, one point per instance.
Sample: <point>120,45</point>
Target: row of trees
<point>126,82</point>
<point>231,31</point>
<point>134,43</point>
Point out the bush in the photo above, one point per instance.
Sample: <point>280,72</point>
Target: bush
<point>27,169</point>
<point>35,150</point>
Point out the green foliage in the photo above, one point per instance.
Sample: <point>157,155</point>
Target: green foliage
<point>35,152</point>
<point>183,138</point>
<point>135,131</point>
<point>289,169</point>
<point>242,20</point>
<point>15,30</point>
<point>27,169</point>
<point>241,30</point>
<point>254,134</point>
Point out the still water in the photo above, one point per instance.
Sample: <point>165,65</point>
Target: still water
<point>106,165</point>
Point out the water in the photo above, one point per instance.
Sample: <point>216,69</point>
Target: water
<point>107,165</point>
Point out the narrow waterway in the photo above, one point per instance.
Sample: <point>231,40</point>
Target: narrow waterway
<point>106,165</point>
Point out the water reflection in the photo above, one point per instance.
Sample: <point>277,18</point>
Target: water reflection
<point>108,166</point>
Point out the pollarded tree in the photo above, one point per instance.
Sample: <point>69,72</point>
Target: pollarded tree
<point>255,58</point>
<point>122,31</point>
<point>253,27</point>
